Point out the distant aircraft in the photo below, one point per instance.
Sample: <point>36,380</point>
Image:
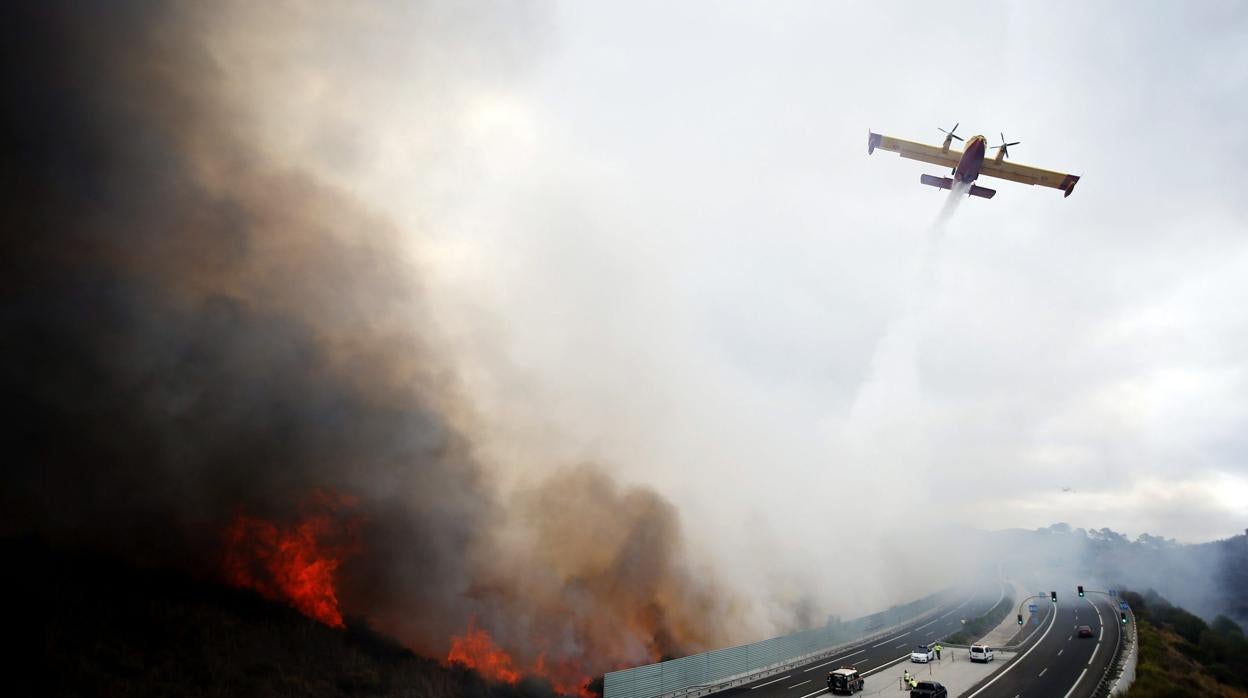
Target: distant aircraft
<point>1068,489</point>
<point>969,164</point>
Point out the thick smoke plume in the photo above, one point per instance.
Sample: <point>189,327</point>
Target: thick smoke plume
<point>202,344</point>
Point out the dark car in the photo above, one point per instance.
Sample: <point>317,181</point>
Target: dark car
<point>929,689</point>
<point>1085,631</point>
<point>845,680</point>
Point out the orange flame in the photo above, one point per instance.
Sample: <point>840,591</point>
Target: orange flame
<point>296,563</point>
<point>476,650</point>
<point>565,677</point>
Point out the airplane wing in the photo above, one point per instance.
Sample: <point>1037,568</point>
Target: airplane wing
<point>915,151</point>
<point>1004,169</point>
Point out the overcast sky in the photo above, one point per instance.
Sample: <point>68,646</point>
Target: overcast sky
<point>655,240</point>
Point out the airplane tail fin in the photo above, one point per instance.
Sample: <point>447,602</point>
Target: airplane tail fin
<point>982,192</point>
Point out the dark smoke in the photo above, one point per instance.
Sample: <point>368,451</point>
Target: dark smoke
<point>192,330</point>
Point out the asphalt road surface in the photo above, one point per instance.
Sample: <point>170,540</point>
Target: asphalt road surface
<point>810,679</point>
<point>1061,664</point>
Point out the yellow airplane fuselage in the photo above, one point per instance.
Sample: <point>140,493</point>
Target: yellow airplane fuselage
<point>972,159</point>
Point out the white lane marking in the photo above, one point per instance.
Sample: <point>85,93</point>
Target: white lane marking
<point>1059,652</point>
<point>798,684</point>
<point>885,664</point>
<point>822,690</point>
<point>900,646</point>
<point>1068,637</point>
<point>1094,649</point>
<point>1042,672</point>
<point>771,682</point>
<point>926,624</point>
<point>1072,688</point>
<point>835,660</point>
<point>1017,660</point>
<point>1035,630</point>
<point>891,639</point>
<point>931,633</point>
<point>1102,635</point>
<point>968,600</point>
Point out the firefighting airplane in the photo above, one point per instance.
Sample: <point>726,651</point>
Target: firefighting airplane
<point>969,164</point>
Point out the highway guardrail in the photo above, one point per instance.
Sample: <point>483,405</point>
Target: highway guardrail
<point>700,674</point>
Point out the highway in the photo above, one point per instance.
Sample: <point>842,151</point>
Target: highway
<point>1060,664</point>
<point>871,657</point>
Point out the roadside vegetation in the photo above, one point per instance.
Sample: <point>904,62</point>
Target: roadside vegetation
<point>976,628</point>
<point>1182,655</point>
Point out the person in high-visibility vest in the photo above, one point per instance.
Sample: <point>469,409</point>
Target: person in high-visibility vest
<point>914,683</point>
<point>905,676</point>
<point>937,648</point>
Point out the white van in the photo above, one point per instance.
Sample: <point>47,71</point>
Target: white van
<point>981,653</point>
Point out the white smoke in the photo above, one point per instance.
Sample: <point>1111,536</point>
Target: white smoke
<point>636,265</point>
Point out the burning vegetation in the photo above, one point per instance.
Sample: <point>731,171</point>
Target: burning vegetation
<point>476,650</point>
<point>197,336</point>
<point>295,563</point>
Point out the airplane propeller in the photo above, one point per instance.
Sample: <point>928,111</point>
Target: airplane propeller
<point>950,133</point>
<point>1005,147</point>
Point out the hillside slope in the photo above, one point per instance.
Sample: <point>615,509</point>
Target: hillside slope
<point>1181,655</point>
<point>97,627</point>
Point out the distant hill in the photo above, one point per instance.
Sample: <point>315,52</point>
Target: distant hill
<point>1182,655</point>
<point>1209,579</point>
<point>94,626</point>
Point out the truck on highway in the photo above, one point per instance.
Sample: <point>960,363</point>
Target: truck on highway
<point>845,680</point>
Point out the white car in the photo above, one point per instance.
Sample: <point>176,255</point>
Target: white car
<point>923,654</point>
<point>981,653</point>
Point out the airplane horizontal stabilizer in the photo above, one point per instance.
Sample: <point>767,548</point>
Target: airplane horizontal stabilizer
<point>938,182</point>
<point>982,192</point>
